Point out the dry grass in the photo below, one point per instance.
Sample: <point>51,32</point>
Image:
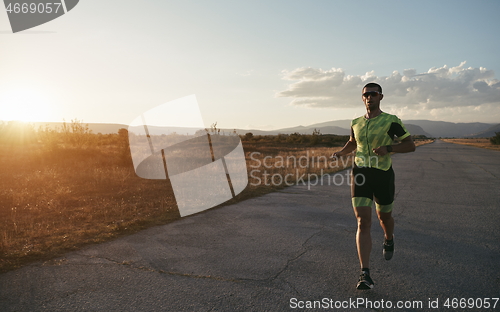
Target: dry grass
<point>482,143</point>
<point>55,201</point>
<point>423,142</point>
<point>56,197</point>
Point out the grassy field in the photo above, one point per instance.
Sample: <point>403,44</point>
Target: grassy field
<point>482,143</point>
<point>63,190</point>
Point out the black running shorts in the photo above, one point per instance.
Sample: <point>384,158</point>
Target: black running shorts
<point>368,184</point>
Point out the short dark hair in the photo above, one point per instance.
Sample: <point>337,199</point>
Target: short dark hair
<point>373,85</point>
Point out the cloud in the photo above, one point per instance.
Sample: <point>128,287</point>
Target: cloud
<point>437,89</point>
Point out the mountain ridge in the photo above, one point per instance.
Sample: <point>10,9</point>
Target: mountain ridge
<point>429,128</point>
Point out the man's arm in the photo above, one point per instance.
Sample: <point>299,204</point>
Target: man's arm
<point>405,146</point>
<point>348,147</point>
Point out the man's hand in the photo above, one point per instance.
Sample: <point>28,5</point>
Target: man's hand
<point>405,146</point>
<point>349,147</point>
<point>381,151</point>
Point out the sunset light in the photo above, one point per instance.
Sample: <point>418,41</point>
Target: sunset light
<point>249,155</point>
<point>24,105</point>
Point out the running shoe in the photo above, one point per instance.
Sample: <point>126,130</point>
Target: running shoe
<point>388,249</point>
<point>365,281</point>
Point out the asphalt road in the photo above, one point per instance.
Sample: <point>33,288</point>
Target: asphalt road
<point>260,254</point>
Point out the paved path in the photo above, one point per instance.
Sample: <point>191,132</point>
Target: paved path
<point>259,254</point>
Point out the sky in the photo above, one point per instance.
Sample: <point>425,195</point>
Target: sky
<point>255,64</point>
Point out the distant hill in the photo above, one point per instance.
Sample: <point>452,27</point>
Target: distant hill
<point>416,130</point>
<point>488,133</point>
<point>449,129</point>
<point>300,130</point>
<point>342,127</point>
<point>324,128</point>
<point>343,123</point>
<point>428,128</point>
<point>95,127</point>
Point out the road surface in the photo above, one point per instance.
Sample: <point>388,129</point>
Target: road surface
<point>290,248</point>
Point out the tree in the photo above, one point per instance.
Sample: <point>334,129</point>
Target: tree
<point>496,139</point>
<point>315,137</point>
<point>248,136</point>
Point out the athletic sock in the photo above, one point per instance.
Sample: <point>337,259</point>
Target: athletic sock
<point>365,270</point>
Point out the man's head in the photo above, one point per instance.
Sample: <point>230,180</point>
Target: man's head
<point>371,95</point>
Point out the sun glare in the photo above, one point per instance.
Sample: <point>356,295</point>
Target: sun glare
<point>24,105</point>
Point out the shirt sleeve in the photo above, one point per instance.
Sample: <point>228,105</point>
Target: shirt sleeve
<point>398,129</point>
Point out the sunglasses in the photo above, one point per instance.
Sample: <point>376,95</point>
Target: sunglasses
<point>371,93</point>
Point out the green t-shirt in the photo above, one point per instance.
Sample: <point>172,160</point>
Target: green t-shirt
<point>373,133</point>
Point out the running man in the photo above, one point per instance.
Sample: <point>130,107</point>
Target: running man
<point>372,175</point>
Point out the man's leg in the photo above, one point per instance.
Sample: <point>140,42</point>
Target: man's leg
<point>363,236</point>
<point>387,223</point>
<point>362,200</point>
<point>384,199</point>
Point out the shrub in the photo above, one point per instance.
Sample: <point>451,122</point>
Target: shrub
<point>496,139</point>
<point>248,136</point>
